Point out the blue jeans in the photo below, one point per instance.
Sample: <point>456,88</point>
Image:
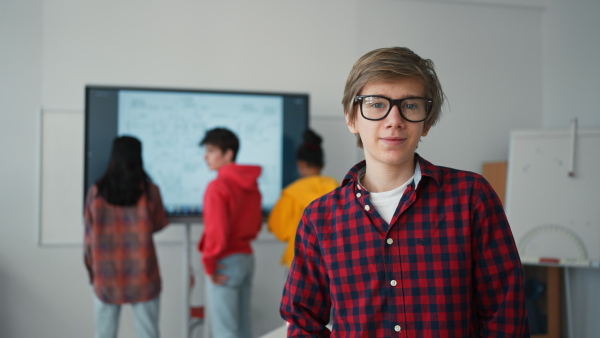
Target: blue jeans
<point>145,318</point>
<point>229,305</point>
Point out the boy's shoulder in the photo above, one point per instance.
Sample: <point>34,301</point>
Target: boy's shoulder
<point>446,175</point>
<point>452,180</point>
<point>331,200</point>
<point>451,174</point>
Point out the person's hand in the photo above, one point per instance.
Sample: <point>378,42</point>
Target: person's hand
<point>217,278</point>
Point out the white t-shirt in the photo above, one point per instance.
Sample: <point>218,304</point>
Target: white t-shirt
<point>387,201</point>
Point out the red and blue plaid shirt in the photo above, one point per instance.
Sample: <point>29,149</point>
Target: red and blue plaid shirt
<point>445,266</point>
<point>119,250</point>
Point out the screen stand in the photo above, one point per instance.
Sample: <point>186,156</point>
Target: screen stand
<point>186,279</point>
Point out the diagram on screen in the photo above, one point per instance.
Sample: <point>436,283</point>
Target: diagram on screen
<point>171,126</point>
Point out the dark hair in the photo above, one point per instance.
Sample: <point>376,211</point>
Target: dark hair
<point>310,150</point>
<point>224,139</point>
<point>125,180</point>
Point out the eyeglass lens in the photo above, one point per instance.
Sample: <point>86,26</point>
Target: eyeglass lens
<point>376,108</point>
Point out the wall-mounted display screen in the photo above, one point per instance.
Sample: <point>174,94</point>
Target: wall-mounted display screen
<point>170,123</point>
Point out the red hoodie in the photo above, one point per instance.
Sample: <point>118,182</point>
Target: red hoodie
<point>232,214</point>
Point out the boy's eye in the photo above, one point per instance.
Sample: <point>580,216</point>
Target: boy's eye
<point>376,103</point>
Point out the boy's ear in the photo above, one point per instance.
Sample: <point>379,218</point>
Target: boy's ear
<point>350,124</point>
<point>228,156</point>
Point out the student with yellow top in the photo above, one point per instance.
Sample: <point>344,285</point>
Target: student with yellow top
<point>286,213</point>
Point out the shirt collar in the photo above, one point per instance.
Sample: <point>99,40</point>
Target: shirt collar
<point>424,169</point>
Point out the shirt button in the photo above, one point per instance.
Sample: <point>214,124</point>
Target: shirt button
<point>397,328</point>
<point>358,195</point>
<point>367,207</point>
<point>393,282</point>
<point>390,241</point>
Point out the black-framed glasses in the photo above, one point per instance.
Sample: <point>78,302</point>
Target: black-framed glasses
<point>377,107</point>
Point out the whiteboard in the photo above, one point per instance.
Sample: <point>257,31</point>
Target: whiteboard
<point>61,174</point>
<point>555,218</point>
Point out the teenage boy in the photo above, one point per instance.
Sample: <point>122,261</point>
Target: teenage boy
<point>403,248</point>
<point>232,219</point>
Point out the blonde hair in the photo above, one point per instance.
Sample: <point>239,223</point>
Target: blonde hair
<point>392,64</point>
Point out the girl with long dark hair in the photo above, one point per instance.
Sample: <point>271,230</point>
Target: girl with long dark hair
<point>123,209</point>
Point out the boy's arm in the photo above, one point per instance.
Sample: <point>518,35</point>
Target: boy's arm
<point>306,303</point>
<point>500,296</point>
<point>217,225</point>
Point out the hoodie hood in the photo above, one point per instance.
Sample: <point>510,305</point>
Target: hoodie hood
<point>245,176</point>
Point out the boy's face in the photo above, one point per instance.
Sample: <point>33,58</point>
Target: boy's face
<point>215,158</point>
<point>391,141</point>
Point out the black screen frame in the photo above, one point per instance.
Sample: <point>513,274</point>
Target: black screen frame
<point>101,128</point>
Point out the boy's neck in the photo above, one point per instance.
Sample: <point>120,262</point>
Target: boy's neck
<point>224,165</point>
<point>380,178</point>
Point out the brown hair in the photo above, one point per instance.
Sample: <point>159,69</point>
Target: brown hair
<point>391,64</point>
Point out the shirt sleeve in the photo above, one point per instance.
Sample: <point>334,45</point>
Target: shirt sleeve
<point>157,209</point>
<point>217,225</point>
<point>499,282</point>
<point>88,232</point>
<point>306,304</point>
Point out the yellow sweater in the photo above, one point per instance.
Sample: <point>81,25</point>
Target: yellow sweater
<point>286,213</point>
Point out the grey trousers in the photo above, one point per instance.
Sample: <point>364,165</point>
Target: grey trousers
<point>229,313</point>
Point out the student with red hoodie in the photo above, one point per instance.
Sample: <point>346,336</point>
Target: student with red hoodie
<point>232,219</point>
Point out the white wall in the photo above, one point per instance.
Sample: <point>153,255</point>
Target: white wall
<point>571,46</point>
<point>571,74</point>
<point>494,58</point>
<point>22,267</point>
<point>307,46</point>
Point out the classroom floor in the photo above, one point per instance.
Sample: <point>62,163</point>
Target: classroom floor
<point>279,332</point>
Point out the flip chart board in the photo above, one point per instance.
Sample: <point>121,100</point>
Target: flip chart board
<point>555,216</point>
